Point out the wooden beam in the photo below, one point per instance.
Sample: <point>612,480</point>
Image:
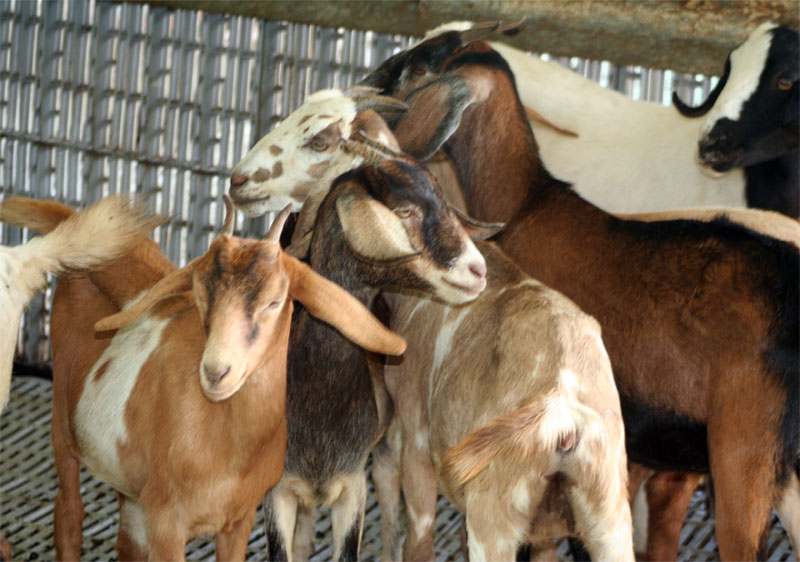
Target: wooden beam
<point>683,35</point>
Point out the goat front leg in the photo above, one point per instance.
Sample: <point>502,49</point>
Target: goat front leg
<point>280,513</point>
<point>347,512</point>
<point>132,538</point>
<point>420,490</point>
<point>232,544</point>
<point>167,537</point>
<point>304,533</point>
<point>386,477</point>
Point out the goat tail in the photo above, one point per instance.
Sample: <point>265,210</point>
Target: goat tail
<point>544,426</point>
<point>79,240</point>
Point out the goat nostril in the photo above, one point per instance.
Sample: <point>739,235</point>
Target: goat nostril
<point>238,181</point>
<point>478,269</point>
<point>215,374</point>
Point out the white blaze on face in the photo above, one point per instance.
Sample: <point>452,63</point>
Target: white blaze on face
<point>747,63</point>
<point>100,416</point>
<point>282,167</point>
<point>460,283</point>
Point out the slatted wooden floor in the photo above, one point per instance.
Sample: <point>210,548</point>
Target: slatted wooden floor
<point>28,487</point>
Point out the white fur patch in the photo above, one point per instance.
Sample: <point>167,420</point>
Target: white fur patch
<point>445,338</point>
<point>100,416</point>
<point>134,521</point>
<point>747,63</point>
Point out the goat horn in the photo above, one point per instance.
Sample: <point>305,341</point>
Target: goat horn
<point>381,104</point>
<point>230,216</point>
<point>274,234</point>
<point>359,90</point>
<point>370,154</point>
<point>689,111</point>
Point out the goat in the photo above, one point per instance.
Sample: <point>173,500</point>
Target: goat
<point>551,360</point>
<point>630,156</point>
<point>380,226</point>
<point>89,239</point>
<point>186,458</point>
<point>693,314</point>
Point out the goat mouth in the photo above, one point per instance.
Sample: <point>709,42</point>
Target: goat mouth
<point>217,395</point>
<point>237,199</point>
<point>471,291</point>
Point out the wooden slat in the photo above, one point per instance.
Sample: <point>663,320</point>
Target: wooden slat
<point>688,35</point>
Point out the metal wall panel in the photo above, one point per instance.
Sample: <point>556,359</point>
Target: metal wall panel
<point>99,97</point>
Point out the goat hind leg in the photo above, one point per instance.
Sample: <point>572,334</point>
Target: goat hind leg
<point>232,544</point>
<point>668,497</point>
<point>68,514</point>
<point>788,508</point>
<point>304,533</point>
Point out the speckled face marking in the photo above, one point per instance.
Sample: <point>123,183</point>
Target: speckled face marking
<point>286,164</point>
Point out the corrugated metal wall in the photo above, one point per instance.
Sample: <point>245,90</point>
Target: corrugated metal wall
<point>101,97</point>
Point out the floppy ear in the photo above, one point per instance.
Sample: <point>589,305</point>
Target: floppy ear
<point>475,229</point>
<point>173,284</point>
<point>372,231</point>
<point>330,303</point>
<point>434,114</point>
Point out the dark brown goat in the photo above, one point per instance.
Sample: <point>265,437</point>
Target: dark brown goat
<point>700,319</point>
<point>380,226</point>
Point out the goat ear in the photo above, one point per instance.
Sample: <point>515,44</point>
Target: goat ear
<point>434,115</point>
<point>330,303</point>
<point>372,231</point>
<point>475,229</point>
<point>375,128</point>
<point>173,284</point>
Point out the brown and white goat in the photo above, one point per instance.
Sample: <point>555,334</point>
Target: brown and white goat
<point>695,316</point>
<point>552,374</point>
<point>383,225</point>
<point>186,458</point>
<point>88,239</point>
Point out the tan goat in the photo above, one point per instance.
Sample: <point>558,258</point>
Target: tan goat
<point>187,458</point>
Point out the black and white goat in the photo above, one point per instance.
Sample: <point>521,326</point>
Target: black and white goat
<point>633,156</point>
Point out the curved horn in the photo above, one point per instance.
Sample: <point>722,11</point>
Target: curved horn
<point>381,104</point>
<point>274,234</point>
<point>705,107</point>
<point>370,153</point>
<point>230,217</point>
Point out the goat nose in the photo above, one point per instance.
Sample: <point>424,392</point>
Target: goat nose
<point>238,181</point>
<point>478,269</point>
<point>215,373</point>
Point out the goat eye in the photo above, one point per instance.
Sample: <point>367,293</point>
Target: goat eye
<point>419,70</point>
<point>405,213</point>
<point>785,84</point>
<point>272,306</point>
<point>318,145</point>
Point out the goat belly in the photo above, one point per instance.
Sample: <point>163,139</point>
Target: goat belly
<point>662,439</point>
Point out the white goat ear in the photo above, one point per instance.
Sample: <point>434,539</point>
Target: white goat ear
<point>372,231</point>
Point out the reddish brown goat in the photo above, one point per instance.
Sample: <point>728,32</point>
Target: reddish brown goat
<point>695,316</point>
<point>186,458</point>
